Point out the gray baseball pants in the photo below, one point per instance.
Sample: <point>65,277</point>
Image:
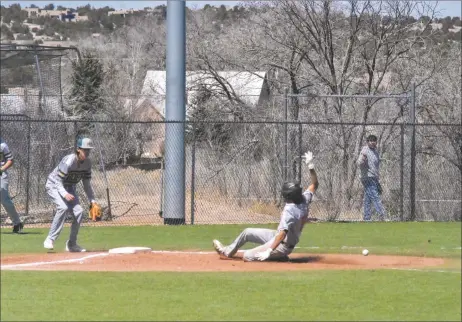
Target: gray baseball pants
<point>264,237</point>
<point>62,208</point>
<point>7,202</point>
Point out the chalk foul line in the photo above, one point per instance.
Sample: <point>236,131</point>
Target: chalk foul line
<point>73,260</point>
<point>424,270</point>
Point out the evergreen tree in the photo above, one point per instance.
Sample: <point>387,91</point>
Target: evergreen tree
<point>87,78</point>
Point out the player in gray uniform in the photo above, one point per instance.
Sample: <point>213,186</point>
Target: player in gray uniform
<point>61,187</point>
<point>369,164</point>
<point>278,244</point>
<point>6,161</point>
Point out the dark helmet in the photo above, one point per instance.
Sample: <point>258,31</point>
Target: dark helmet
<point>292,192</point>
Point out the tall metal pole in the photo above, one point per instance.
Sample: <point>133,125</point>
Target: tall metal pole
<point>412,187</point>
<point>286,161</point>
<point>174,207</point>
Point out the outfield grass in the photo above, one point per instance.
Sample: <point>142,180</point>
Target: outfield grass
<point>433,295</point>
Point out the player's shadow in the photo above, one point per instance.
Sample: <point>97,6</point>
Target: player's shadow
<point>23,233</point>
<point>305,259</point>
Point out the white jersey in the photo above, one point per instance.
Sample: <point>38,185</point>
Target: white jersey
<point>69,172</point>
<point>5,155</point>
<point>292,219</point>
<point>369,168</point>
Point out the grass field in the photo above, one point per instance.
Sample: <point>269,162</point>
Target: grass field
<point>425,295</point>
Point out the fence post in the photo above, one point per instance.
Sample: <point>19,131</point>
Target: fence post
<point>401,170</point>
<point>39,74</point>
<point>286,161</point>
<point>161,202</point>
<point>109,217</point>
<point>412,187</point>
<point>193,173</point>
<point>28,165</point>
<point>300,128</point>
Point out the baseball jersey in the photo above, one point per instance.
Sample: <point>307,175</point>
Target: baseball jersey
<point>292,218</point>
<point>369,168</point>
<point>5,155</point>
<point>69,172</point>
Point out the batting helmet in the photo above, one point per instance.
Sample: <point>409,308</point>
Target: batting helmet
<point>292,192</point>
<point>84,143</point>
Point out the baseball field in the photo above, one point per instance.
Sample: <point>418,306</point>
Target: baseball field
<point>412,273</point>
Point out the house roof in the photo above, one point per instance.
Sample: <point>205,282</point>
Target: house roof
<point>12,104</point>
<point>247,86</point>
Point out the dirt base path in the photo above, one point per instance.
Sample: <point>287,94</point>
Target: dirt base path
<point>194,261</point>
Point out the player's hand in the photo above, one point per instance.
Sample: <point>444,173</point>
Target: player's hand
<point>69,197</point>
<point>264,255</point>
<point>308,158</point>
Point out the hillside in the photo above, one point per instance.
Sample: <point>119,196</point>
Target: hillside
<point>20,25</point>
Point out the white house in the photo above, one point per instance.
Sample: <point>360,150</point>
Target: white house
<point>249,87</point>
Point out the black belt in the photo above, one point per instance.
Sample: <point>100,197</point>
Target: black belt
<point>287,245</point>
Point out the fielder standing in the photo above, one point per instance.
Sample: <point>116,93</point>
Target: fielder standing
<point>278,244</point>
<point>369,165</point>
<point>6,161</point>
<point>61,187</point>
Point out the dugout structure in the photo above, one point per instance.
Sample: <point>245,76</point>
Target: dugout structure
<point>31,89</point>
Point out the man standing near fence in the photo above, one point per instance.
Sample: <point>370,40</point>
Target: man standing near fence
<point>6,161</point>
<point>369,164</point>
<point>278,244</point>
<point>61,187</point>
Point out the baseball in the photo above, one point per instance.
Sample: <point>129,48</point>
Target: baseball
<point>365,252</point>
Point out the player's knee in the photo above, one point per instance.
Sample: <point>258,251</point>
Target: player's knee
<point>78,211</point>
<point>249,256</point>
<point>60,209</point>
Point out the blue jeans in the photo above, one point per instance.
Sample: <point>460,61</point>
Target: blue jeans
<point>371,195</point>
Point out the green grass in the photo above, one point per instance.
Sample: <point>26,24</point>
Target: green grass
<point>380,238</point>
<point>433,295</point>
<point>323,295</point>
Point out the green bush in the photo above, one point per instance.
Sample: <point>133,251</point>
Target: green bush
<point>18,27</point>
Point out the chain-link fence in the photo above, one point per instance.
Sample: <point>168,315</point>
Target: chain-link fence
<point>234,170</point>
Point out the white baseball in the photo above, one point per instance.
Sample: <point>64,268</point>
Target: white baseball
<point>365,252</point>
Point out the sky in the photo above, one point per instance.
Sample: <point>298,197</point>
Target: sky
<point>446,8</point>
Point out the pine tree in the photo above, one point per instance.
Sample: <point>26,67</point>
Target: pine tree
<point>87,78</point>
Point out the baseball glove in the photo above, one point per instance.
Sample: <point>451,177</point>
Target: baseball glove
<point>95,212</point>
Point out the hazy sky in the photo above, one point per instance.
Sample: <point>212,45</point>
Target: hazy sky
<point>446,8</point>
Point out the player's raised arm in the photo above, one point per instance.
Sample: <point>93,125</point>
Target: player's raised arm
<point>308,158</point>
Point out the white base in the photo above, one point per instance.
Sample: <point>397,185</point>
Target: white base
<point>129,250</point>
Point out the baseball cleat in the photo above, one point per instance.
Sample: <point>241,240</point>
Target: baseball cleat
<point>17,229</point>
<point>218,247</point>
<point>48,243</point>
<point>74,248</point>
